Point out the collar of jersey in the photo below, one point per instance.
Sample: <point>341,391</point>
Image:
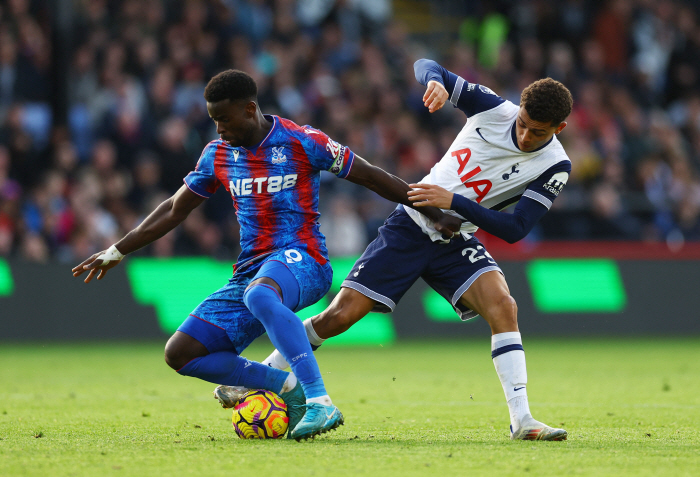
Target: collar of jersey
<point>271,117</point>
<point>515,141</point>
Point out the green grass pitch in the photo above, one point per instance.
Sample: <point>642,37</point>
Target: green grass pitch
<point>631,406</point>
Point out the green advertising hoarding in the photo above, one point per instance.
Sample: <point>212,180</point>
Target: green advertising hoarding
<point>175,286</point>
<point>590,285</point>
<point>6,284</point>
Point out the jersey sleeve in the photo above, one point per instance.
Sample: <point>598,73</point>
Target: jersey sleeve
<point>202,181</point>
<point>513,227</point>
<point>471,98</point>
<point>549,184</point>
<point>509,227</point>
<point>325,154</point>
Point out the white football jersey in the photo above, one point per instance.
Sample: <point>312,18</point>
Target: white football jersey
<point>484,164</point>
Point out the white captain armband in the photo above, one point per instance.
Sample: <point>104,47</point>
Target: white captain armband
<point>110,255</point>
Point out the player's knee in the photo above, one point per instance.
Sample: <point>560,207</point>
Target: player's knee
<point>177,353</point>
<point>259,300</point>
<point>508,308</point>
<point>172,355</point>
<point>504,312</point>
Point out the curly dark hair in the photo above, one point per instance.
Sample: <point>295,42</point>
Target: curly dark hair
<point>233,85</point>
<point>547,100</point>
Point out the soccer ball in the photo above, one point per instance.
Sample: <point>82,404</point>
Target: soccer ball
<point>260,414</point>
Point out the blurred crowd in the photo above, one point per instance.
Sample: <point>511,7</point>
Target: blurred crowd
<point>102,114</point>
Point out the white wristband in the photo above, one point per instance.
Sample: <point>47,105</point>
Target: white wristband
<point>111,254</point>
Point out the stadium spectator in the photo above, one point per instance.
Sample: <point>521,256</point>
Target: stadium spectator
<point>119,122</point>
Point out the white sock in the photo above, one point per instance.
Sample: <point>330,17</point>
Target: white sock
<point>509,360</point>
<point>276,360</point>
<point>519,411</point>
<point>325,400</point>
<point>314,339</point>
<point>289,383</point>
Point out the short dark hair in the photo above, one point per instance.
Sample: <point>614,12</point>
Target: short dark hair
<point>547,101</point>
<point>233,85</point>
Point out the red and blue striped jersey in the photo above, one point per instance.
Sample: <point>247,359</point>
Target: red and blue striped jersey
<point>274,186</point>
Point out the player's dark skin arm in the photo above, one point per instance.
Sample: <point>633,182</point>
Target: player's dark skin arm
<point>396,190</point>
<point>168,215</point>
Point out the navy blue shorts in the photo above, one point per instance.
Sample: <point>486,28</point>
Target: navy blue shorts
<point>402,253</point>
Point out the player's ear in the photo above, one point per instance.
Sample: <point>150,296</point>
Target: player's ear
<point>250,109</point>
<point>560,128</point>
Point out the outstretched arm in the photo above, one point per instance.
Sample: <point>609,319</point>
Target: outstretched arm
<point>509,227</point>
<point>443,85</point>
<point>396,190</point>
<point>162,220</point>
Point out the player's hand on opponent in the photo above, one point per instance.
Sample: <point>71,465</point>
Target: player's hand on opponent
<point>435,96</point>
<point>448,226</point>
<point>430,194</point>
<point>99,263</point>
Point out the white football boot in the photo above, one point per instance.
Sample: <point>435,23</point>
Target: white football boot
<point>532,430</point>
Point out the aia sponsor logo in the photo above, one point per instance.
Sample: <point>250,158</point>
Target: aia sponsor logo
<point>480,186</point>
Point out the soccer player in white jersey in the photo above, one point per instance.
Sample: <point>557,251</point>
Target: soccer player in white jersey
<point>504,154</point>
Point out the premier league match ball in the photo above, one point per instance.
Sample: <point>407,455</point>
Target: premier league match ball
<point>260,414</point>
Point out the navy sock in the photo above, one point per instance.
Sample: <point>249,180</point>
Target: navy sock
<point>287,333</point>
<point>225,367</point>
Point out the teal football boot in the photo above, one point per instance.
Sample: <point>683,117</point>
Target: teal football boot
<point>296,402</point>
<point>318,419</point>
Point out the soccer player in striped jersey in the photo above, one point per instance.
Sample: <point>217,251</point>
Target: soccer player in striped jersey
<point>505,154</point>
<point>271,168</point>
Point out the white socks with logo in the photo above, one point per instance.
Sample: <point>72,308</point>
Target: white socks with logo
<point>509,359</point>
<point>276,360</point>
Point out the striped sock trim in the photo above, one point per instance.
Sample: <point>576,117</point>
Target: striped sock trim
<point>506,349</point>
<point>505,342</point>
